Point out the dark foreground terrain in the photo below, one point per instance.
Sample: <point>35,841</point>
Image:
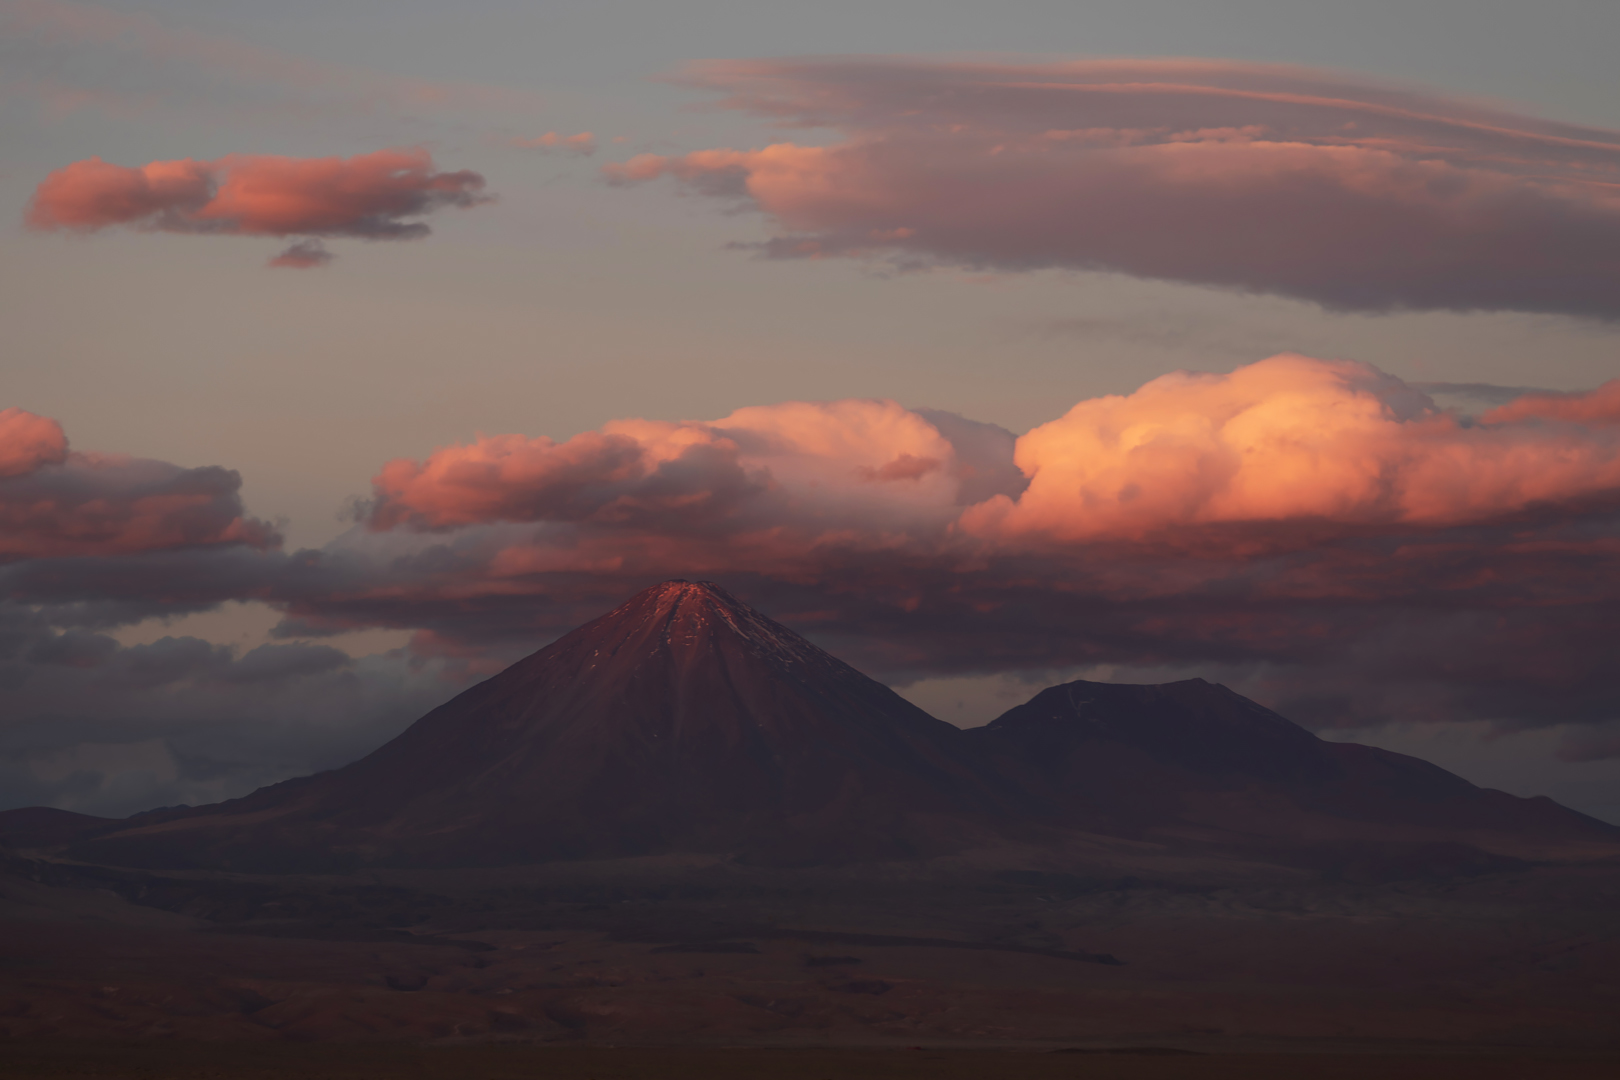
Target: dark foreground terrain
<point>1131,946</point>
<point>196,1061</point>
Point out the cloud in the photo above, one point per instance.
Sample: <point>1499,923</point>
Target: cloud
<point>1592,407</point>
<point>808,468</point>
<point>1290,440</point>
<point>28,441</point>
<point>302,255</point>
<point>56,503</point>
<point>1486,393</point>
<point>368,196</point>
<point>583,144</point>
<point>104,729</point>
<point>1329,447</point>
<point>1260,178</point>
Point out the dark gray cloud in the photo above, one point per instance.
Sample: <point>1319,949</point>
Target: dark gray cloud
<point>100,728</point>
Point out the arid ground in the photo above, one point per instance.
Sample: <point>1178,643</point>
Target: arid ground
<point>677,962</point>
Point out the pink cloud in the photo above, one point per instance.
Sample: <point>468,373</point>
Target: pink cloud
<point>56,503</point>
<point>1289,439</point>
<point>28,441</point>
<point>369,196</point>
<point>1254,177</point>
<point>808,468</point>
<point>1599,406</point>
<point>1311,447</point>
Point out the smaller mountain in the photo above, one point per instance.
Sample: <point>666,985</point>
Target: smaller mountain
<point>1194,754</point>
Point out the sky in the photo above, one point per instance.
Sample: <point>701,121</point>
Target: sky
<point>355,350</point>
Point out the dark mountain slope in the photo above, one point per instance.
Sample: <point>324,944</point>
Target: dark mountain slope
<point>45,826</point>
<point>1197,753</point>
<point>685,721</point>
<point>682,721</point>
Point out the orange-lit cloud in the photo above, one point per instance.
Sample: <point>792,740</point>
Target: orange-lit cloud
<point>28,441</point>
<point>1288,439</point>
<point>1594,407</point>
<point>370,196</point>
<point>1248,176</point>
<point>55,503</point>
<point>810,468</point>
<point>1338,446</point>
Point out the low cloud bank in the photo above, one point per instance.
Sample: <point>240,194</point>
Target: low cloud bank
<point>1287,446</point>
<point>1256,177</point>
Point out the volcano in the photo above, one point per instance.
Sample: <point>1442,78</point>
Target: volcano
<point>683,720</point>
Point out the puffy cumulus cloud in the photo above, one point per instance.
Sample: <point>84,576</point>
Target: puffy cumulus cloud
<point>1286,447</point>
<point>1599,406</point>
<point>1292,439</point>
<point>28,441</point>
<point>369,196</point>
<point>855,468</point>
<point>56,503</point>
<point>1248,176</point>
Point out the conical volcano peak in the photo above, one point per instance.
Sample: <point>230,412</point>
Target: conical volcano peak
<point>690,615</point>
<point>664,598</point>
<point>678,591</point>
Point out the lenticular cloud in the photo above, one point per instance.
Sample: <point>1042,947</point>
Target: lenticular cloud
<point>369,196</point>
<point>1254,177</point>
